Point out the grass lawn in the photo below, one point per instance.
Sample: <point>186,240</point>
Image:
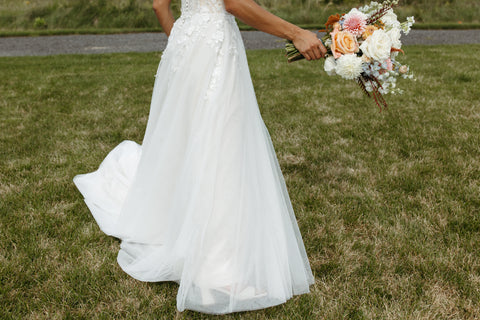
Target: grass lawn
<point>388,203</point>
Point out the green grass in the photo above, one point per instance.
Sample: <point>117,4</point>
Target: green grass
<point>388,203</point>
<point>22,15</point>
<point>243,27</point>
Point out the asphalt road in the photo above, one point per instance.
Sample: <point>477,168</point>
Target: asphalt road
<point>148,42</point>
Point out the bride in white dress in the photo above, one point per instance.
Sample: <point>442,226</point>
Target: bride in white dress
<point>202,201</point>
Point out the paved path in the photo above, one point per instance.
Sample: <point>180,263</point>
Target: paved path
<point>147,42</point>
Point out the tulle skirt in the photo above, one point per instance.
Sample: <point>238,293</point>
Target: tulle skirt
<point>202,201</point>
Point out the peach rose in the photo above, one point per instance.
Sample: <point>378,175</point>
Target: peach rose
<point>343,42</point>
<point>369,30</point>
<point>403,69</point>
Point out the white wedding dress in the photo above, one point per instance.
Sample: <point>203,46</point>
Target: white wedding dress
<point>202,201</point>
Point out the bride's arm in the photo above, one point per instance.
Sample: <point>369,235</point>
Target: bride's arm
<point>252,14</point>
<point>164,14</point>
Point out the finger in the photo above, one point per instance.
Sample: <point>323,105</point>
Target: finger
<point>324,51</point>
<point>307,56</point>
<point>313,54</point>
<point>317,53</point>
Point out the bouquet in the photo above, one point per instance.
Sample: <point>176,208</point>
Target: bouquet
<point>363,45</point>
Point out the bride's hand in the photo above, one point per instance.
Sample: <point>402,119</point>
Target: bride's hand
<point>309,45</point>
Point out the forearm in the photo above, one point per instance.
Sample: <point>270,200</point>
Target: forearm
<point>254,15</point>
<point>164,15</point>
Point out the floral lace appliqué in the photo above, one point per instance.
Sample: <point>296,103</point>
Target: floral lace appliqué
<point>202,21</point>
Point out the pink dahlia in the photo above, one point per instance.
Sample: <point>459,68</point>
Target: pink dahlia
<point>355,22</point>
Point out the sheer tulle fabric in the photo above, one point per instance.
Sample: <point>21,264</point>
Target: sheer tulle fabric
<point>203,201</point>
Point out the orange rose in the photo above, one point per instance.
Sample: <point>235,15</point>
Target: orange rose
<point>343,42</point>
<point>369,30</point>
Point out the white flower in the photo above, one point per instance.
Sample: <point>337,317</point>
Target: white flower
<point>407,26</point>
<point>355,11</point>
<point>395,35</point>
<point>390,20</point>
<point>329,66</point>
<point>368,86</point>
<point>377,46</point>
<point>403,69</point>
<point>371,8</point>
<point>349,66</point>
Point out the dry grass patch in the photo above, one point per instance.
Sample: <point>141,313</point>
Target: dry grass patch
<point>387,202</point>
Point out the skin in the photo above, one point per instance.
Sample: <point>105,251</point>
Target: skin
<point>164,14</point>
<point>252,14</point>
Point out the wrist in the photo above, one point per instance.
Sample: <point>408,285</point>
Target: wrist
<point>294,33</point>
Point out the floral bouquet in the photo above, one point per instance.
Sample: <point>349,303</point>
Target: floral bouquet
<point>362,45</point>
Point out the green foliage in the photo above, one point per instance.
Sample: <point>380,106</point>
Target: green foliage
<point>388,203</point>
<point>85,14</point>
<point>39,23</point>
<point>63,14</point>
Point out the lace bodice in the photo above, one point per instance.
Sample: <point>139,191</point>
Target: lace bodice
<point>202,6</point>
<point>203,23</point>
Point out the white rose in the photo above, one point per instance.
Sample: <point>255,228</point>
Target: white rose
<point>330,65</point>
<point>377,46</point>
<point>390,20</point>
<point>395,35</point>
<point>349,66</point>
